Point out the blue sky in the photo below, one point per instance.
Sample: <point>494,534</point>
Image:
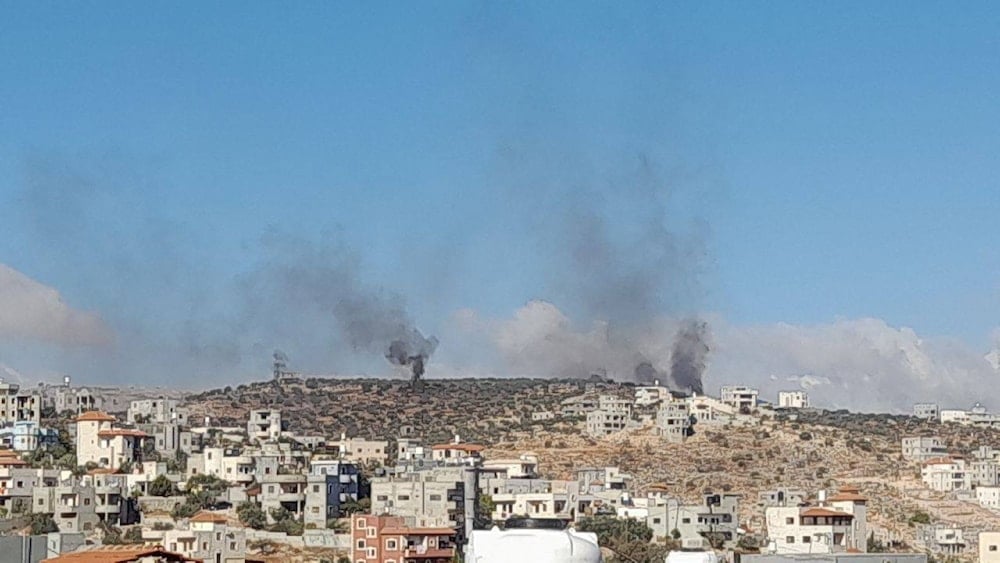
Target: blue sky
<point>834,160</point>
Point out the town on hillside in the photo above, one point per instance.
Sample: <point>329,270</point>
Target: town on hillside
<point>376,471</point>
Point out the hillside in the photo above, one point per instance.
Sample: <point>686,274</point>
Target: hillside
<point>806,450</point>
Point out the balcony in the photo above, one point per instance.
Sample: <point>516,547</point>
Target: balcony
<point>421,552</point>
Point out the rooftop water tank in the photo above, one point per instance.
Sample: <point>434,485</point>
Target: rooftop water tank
<point>532,540</point>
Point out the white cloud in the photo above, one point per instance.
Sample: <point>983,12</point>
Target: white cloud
<point>861,364</point>
<point>30,310</point>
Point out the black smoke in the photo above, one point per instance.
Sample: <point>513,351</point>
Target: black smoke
<point>412,353</point>
<point>687,361</point>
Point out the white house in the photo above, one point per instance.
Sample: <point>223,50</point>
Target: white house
<point>945,474</point>
<point>793,399</point>
<point>98,441</point>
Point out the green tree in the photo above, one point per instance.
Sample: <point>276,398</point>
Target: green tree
<point>627,539</point>
<point>920,518</point>
<point>162,487</point>
<point>356,506</point>
<point>133,535</point>
<point>42,524</point>
<point>252,515</point>
<point>484,512</point>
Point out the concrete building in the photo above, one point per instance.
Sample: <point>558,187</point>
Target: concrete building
<point>388,539</point>
<point>793,399</point>
<point>537,498</point>
<point>922,448</point>
<point>957,416</point>
<point>457,452</point>
<point>229,464</point>
<point>76,400</point>
<point>673,420</point>
<point>19,406</point>
<point>23,436</point>
<point>740,397</point>
<point>945,474</point>
<point>989,547</point>
<point>601,422</point>
<point>285,490</point>
<point>17,486</point>
<point>208,538</point>
<point>926,411</point>
<point>651,394</point>
<point>539,416</point>
<point>836,525</point>
<point>162,411</point>
<point>361,450</point>
<point>988,497</point>
<point>98,441</point>
<point>264,424</point>
<point>79,505</point>
<point>709,410</point>
<point>578,406</point>
<point>329,485</point>
<point>984,472</point>
<point>715,521</point>
<point>945,539</point>
<point>782,497</point>
<point>523,467</point>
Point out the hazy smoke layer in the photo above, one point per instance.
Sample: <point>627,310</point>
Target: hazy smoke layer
<point>861,364</point>
<point>621,276</point>
<point>300,279</point>
<point>33,311</point>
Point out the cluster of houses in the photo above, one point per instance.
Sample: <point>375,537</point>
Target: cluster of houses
<point>673,415</point>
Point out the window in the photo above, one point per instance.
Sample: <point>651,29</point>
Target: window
<point>41,502</point>
<point>232,546</point>
<point>435,497</point>
<point>361,522</point>
<point>790,521</point>
<point>371,532</point>
<point>403,497</point>
<point>218,536</point>
<point>790,539</point>
<point>685,520</point>
<point>806,539</point>
<point>372,553</point>
<point>86,502</point>
<point>382,497</point>
<point>993,548</point>
<point>315,488</point>
<point>656,520</point>
<point>390,544</point>
<point>361,544</point>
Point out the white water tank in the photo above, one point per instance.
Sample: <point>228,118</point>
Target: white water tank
<point>532,545</point>
<point>692,557</point>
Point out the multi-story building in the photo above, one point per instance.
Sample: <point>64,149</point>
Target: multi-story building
<point>646,395</point>
<point>524,467</point>
<point>837,525</point>
<point>537,498</point>
<point>208,538</point>
<point>284,490</point>
<point>945,474</point>
<point>264,424</point>
<point>602,422</point>
<point>457,452</point>
<point>782,497</point>
<point>740,397</point>
<point>388,539</point>
<point>957,416</point>
<point>578,406</point>
<point>76,400</point>
<point>712,524</point>
<point>673,420</point>
<point>926,411</point>
<point>81,504</point>
<point>99,441</point>
<point>17,484</point>
<point>330,484</point>
<point>709,410</point>
<point>944,539</point>
<point>162,411</point>
<point>442,496</point>
<point>165,436</point>
<point>361,450</point>
<point>229,464</point>
<point>988,497</point>
<point>18,406</point>
<point>922,448</point>
<point>793,399</point>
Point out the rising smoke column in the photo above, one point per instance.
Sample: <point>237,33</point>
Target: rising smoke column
<point>687,362</point>
<point>303,279</point>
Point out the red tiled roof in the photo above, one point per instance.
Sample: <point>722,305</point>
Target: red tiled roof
<point>939,461</point>
<point>820,511</point>
<point>847,496</point>
<point>95,416</point>
<point>206,516</point>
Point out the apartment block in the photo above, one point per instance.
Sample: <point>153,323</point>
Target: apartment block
<point>988,497</point>
<point>329,485</point>
<point>782,497</point>
<point>922,448</point>
<point>926,411</point>
<point>673,420</point>
<point>601,422</point>
<point>388,539</point>
<point>740,397</point>
<point>837,525</point>
<point>361,450</point>
<point>945,474</point>
<point>19,406</point>
<point>715,520</point>
<point>264,424</point>
<point>286,491</point>
<point>229,464</point>
<point>793,399</point>
<point>208,538</point>
<point>161,411</point>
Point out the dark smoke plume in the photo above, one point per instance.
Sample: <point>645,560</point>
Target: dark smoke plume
<point>687,362</point>
<point>302,279</point>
